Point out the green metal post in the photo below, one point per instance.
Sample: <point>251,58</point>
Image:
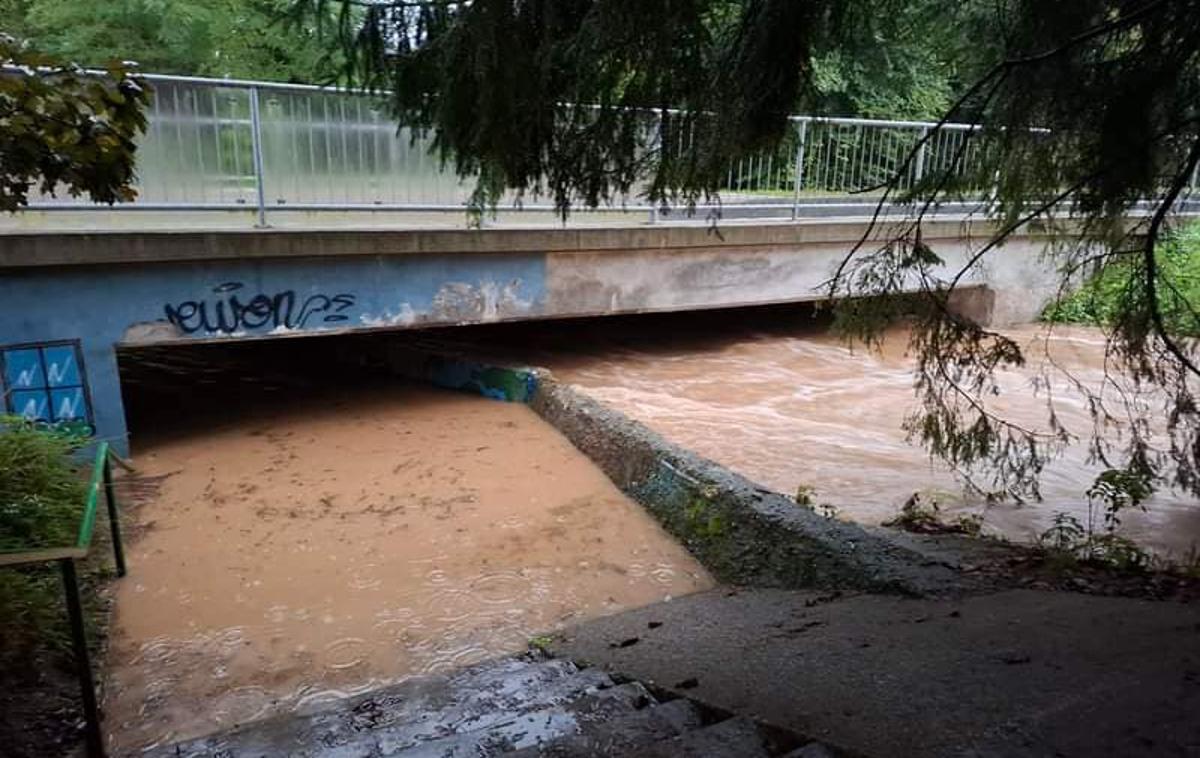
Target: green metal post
<point>83,663</point>
<point>113,521</point>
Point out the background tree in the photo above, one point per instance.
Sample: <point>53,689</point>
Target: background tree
<point>901,60</point>
<point>63,130</point>
<point>1089,106</point>
<point>247,39</point>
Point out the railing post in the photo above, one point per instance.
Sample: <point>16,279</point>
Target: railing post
<point>87,687</point>
<point>919,169</point>
<point>256,148</point>
<point>114,522</point>
<point>798,175</point>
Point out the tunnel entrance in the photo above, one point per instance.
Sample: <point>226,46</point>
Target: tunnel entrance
<point>180,388</point>
<point>307,526</point>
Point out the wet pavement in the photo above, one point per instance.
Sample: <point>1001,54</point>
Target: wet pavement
<point>1016,673</point>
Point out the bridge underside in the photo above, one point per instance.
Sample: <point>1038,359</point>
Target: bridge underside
<point>72,298</point>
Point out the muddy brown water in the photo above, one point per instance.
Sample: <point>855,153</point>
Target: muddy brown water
<point>784,403</point>
<point>329,544</point>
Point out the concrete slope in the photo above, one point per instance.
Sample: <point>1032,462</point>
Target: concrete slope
<point>1016,673</point>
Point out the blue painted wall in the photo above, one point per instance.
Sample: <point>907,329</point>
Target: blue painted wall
<point>102,306</point>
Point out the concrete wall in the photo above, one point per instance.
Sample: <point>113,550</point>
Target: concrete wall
<point>103,306</point>
<point>132,288</point>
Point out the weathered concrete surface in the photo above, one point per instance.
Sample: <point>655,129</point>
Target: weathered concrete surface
<point>87,246</point>
<point>1018,673</point>
<point>742,533</point>
<point>512,706</point>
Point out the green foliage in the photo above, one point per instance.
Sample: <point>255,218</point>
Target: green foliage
<point>541,643</point>
<point>1118,490</point>
<point>901,60</point>
<point>1068,541</point>
<point>1114,490</point>
<point>702,521</point>
<point>31,614</point>
<point>225,38</point>
<point>1101,300</point>
<point>41,502</point>
<point>63,130</point>
<point>41,490</point>
<point>588,101</point>
<point>1065,534</point>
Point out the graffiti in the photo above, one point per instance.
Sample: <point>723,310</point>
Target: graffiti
<point>232,311</point>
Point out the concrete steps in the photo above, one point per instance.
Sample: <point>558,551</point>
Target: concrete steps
<point>519,707</point>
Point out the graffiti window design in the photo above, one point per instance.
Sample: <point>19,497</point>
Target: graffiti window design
<point>46,382</point>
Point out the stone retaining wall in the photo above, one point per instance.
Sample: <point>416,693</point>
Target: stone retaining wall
<point>743,533</point>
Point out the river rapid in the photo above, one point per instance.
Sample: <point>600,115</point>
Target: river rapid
<point>776,398</point>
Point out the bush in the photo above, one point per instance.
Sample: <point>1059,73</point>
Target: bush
<point>1100,301</point>
<point>41,503</point>
<point>41,490</point>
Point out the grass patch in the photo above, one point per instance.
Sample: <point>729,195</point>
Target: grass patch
<point>42,493</point>
<point>41,488</point>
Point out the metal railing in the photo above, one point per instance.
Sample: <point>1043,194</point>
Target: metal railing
<point>66,556</point>
<point>215,144</point>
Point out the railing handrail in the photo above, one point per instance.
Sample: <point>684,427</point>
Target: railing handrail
<point>334,89</point>
<point>232,144</point>
<point>87,525</point>
<point>233,83</point>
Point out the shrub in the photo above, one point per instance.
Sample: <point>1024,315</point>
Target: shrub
<point>1100,301</point>
<point>41,491</point>
<point>41,503</point>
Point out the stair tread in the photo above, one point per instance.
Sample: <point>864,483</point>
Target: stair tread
<point>407,714</point>
<point>620,735</point>
<point>529,730</point>
<point>736,737</point>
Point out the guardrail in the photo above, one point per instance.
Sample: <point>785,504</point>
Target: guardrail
<point>66,557</point>
<point>216,144</point>
<point>224,144</point>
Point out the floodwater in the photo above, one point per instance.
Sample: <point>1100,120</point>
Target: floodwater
<point>333,542</point>
<point>774,397</point>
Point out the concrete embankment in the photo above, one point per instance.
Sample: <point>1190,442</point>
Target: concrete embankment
<point>744,534</point>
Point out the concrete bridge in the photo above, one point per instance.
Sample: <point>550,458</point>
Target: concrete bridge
<point>72,298</point>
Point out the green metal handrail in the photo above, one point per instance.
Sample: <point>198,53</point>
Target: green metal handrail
<point>66,557</point>
<point>93,496</point>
